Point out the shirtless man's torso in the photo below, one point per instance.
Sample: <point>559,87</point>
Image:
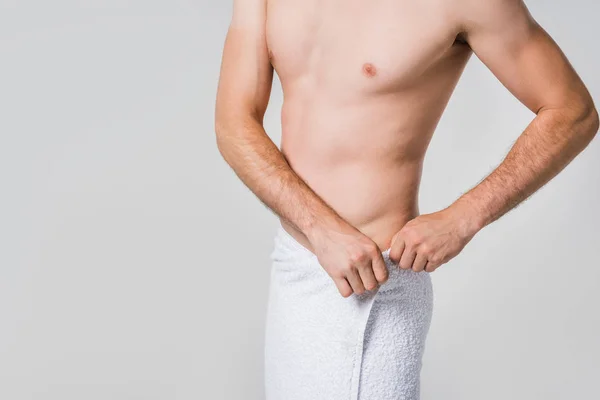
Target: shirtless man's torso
<point>365,83</point>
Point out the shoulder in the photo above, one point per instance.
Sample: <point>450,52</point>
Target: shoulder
<point>477,12</point>
<point>493,16</point>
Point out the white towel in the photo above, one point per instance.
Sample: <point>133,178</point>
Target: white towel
<point>322,346</point>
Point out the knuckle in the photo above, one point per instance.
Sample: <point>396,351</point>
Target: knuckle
<point>412,243</point>
<point>417,240</point>
<point>373,250</point>
<point>357,257</point>
<point>435,260</point>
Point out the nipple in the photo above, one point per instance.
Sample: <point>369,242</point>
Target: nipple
<point>369,69</point>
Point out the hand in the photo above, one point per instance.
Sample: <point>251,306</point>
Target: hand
<point>430,240</point>
<point>350,258</point>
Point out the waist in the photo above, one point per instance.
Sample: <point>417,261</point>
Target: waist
<point>378,199</point>
<point>380,230</point>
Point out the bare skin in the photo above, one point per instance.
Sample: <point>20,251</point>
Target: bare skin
<point>365,84</point>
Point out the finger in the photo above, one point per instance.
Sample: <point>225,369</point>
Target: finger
<point>407,259</point>
<point>380,269</point>
<point>353,278</point>
<point>397,249</point>
<point>368,277</point>
<point>343,286</point>
<point>430,267</point>
<point>419,263</point>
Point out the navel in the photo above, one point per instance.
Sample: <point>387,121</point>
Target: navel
<point>369,69</point>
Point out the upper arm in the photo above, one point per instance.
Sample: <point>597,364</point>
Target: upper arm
<point>521,54</point>
<point>246,72</point>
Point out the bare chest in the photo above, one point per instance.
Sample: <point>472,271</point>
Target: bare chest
<point>384,44</point>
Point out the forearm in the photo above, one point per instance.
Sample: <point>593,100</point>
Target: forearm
<point>546,147</point>
<point>261,166</point>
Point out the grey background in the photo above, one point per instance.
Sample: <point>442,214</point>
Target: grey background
<point>134,264</point>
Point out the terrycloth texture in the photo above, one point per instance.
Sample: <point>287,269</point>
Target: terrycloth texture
<point>322,346</point>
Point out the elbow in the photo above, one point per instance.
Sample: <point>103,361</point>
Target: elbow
<point>594,121</point>
<point>588,119</point>
<point>220,133</point>
<point>224,130</point>
<point>584,122</point>
<point>233,129</point>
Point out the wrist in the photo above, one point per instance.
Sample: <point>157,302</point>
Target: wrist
<point>471,218</point>
<point>320,226</point>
